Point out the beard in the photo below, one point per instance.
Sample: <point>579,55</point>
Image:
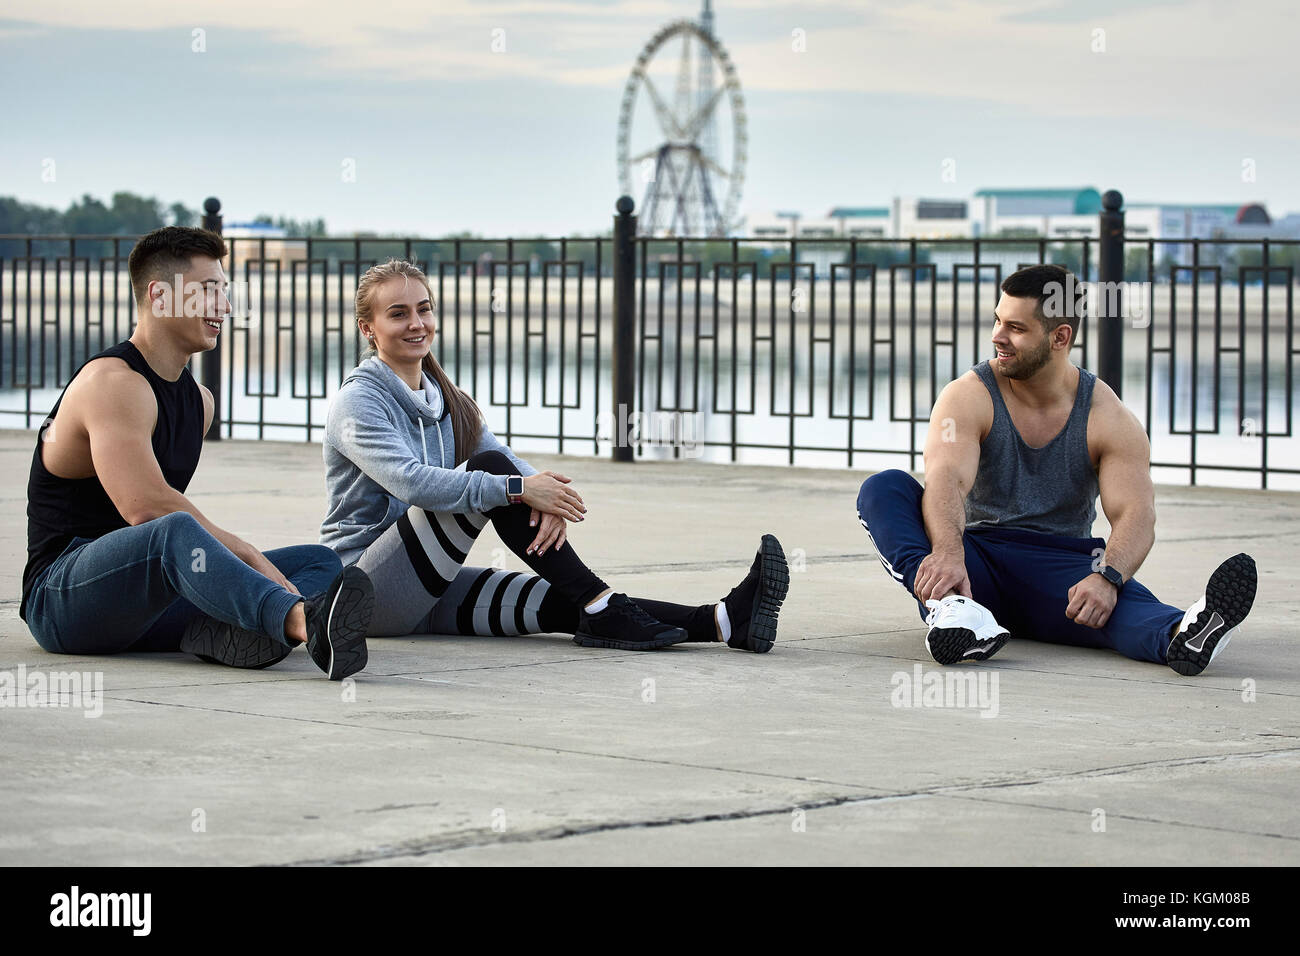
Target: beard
<point>1027,364</point>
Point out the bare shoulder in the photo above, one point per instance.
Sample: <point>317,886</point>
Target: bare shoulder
<point>107,371</point>
<point>106,401</point>
<point>109,384</point>
<point>1112,426</point>
<point>965,388</point>
<point>1109,410</point>
<point>108,378</point>
<point>966,399</point>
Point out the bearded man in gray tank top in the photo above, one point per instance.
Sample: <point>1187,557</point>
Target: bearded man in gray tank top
<point>999,542</point>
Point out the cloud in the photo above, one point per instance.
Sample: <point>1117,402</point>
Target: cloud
<point>1201,61</point>
<point>883,92</point>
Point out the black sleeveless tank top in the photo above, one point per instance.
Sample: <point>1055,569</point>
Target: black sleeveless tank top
<point>1052,489</point>
<point>60,509</point>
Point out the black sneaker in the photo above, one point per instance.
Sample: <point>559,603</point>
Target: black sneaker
<point>753,604</point>
<point>625,626</point>
<point>1210,623</point>
<point>220,643</point>
<point>337,622</point>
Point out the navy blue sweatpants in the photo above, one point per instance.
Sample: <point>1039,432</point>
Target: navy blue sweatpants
<point>1022,577</point>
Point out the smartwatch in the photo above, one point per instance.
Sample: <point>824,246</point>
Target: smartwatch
<point>1111,575</point>
<point>515,488</point>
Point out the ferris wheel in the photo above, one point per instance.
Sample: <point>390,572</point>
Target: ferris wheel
<point>685,156</point>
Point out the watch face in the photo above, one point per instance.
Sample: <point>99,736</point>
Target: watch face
<point>514,486</point>
<point>1113,576</point>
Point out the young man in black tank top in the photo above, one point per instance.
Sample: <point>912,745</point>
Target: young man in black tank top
<point>118,558</point>
<point>999,540</point>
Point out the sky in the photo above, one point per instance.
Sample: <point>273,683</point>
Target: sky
<point>499,116</point>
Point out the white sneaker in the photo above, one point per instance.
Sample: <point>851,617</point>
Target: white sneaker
<point>962,630</point>
<point>1211,622</point>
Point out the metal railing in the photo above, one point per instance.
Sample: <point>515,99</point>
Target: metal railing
<point>797,351</point>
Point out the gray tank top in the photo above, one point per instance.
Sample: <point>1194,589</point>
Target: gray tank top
<point>1053,489</point>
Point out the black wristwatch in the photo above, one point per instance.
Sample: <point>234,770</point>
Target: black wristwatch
<point>515,488</point>
<point>1111,575</point>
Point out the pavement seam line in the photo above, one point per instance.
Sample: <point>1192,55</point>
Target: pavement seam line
<point>1125,816</point>
<point>474,839</point>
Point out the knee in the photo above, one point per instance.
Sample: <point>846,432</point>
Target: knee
<point>180,541</point>
<point>177,525</point>
<point>317,558</point>
<point>320,566</point>
<point>886,484</point>
<point>493,462</point>
<point>177,519</point>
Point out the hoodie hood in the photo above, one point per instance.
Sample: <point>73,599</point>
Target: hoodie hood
<point>428,416</point>
<point>412,403</point>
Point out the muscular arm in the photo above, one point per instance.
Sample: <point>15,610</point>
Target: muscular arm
<point>952,456</point>
<point>119,422</point>
<point>1128,499</point>
<point>1127,494</point>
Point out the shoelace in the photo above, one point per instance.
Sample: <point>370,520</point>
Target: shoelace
<point>634,612</point>
<point>941,613</point>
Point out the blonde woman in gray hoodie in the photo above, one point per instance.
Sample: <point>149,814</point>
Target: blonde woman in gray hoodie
<point>413,474</point>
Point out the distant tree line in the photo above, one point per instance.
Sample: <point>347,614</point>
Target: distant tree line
<point>127,215</point>
<point>292,227</point>
<point>131,215</point>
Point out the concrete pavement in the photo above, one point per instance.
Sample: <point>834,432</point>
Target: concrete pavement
<point>458,751</point>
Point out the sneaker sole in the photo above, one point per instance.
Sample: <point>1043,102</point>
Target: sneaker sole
<point>220,643</point>
<point>952,645</point>
<point>349,617</point>
<point>1229,594</point>
<point>773,586</point>
<point>675,635</point>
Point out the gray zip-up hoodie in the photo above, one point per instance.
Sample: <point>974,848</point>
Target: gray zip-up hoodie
<point>387,448</point>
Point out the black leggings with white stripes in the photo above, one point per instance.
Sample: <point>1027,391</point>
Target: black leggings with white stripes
<point>422,586</point>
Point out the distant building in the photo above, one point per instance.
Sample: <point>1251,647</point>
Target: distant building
<point>840,222</point>
<point>1065,213</point>
<point>275,245</point>
<point>252,230</point>
<point>1056,213</point>
<point>914,218</point>
<point>862,222</point>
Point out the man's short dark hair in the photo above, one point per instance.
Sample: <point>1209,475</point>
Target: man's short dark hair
<point>167,251</point>
<point>1042,282</point>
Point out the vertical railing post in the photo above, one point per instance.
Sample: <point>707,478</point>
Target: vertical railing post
<point>1110,276</point>
<point>624,356</point>
<point>210,363</point>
